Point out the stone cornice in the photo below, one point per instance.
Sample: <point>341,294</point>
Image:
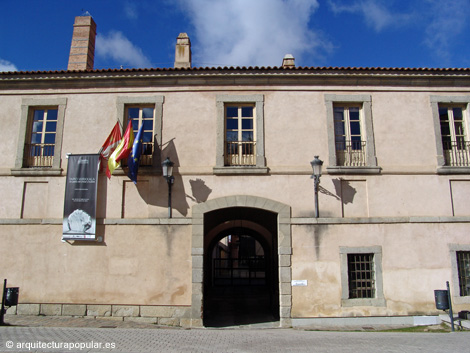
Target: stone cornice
<point>250,76</point>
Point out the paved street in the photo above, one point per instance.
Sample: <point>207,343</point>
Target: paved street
<point>136,339</point>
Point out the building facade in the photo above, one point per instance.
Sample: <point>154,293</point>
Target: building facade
<point>393,221</point>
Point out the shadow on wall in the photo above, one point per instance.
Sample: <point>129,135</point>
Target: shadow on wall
<point>156,192</point>
<point>199,190</point>
<point>344,190</point>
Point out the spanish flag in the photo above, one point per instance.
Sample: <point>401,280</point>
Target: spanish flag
<point>122,150</point>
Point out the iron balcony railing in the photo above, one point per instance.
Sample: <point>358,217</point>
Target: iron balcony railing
<point>240,153</point>
<point>351,153</point>
<point>457,153</point>
<point>39,155</point>
<point>146,156</point>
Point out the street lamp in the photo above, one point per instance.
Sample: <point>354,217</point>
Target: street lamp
<point>167,167</point>
<point>316,166</point>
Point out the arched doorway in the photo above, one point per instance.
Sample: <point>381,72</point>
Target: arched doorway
<point>240,276</point>
<point>269,222</point>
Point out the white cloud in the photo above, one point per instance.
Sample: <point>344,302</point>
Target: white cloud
<point>252,33</point>
<point>447,20</point>
<point>130,10</point>
<point>6,66</point>
<point>376,14</point>
<point>121,50</point>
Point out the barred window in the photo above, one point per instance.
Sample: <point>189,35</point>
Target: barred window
<point>463,266</point>
<point>361,276</point>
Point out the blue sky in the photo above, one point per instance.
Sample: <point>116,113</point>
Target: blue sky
<point>36,34</point>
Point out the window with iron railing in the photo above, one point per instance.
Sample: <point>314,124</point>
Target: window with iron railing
<point>143,116</point>
<point>455,143</point>
<point>349,143</point>
<point>39,152</point>
<point>240,144</point>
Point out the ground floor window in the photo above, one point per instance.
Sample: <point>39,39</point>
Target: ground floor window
<point>361,276</point>
<point>463,267</point>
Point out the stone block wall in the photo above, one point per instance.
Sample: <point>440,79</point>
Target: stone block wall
<point>149,314</point>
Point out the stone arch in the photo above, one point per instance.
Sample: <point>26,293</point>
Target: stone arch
<point>284,250</point>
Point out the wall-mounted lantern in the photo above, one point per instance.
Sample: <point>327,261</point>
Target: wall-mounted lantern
<point>316,166</point>
<point>167,167</point>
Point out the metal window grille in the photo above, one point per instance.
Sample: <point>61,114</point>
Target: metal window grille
<point>361,276</point>
<point>463,265</point>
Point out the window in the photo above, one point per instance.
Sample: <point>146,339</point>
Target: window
<point>460,265</point>
<point>240,144</point>
<point>146,111</point>
<point>456,149</point>
<point>350,135</point>
<point>361,276</point>
<point>451,133</point>
<point>463,267</point>
<point>350,147</point>
<point>143,116</point>
<point>40,139</point>
<point>40,149</point>
<point>240,135</point>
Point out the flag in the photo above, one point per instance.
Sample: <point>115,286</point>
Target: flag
<point>109,146</point>
<point>134,158</point>
<point>122,150</point>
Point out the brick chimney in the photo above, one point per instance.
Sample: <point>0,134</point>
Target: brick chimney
<point>183,51</point>
<point>288,61</point>
<point>82,50</point>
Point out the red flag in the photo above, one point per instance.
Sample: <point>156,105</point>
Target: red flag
<point>122,150</point>
<point>109,146</point>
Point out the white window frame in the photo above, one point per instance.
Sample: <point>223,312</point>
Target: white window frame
<point>379,300</point>
<point>241,158</point>
<point>367,131</point>
<point>28,105</point>
<point>123,103</point>
<point>260,166</point>
<point>352,157</point>
<point>436,101</point>
<point>141,107</point>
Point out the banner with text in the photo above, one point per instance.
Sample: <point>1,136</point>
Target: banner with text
<point>80,197</point>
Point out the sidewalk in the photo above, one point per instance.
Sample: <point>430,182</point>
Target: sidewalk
<point>59,334</point>
<point>65,321</point>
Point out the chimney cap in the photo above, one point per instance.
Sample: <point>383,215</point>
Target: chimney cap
<point>288,61</point>
<point>86,14</point>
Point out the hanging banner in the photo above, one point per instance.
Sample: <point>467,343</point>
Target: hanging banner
<point>80,197</point>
